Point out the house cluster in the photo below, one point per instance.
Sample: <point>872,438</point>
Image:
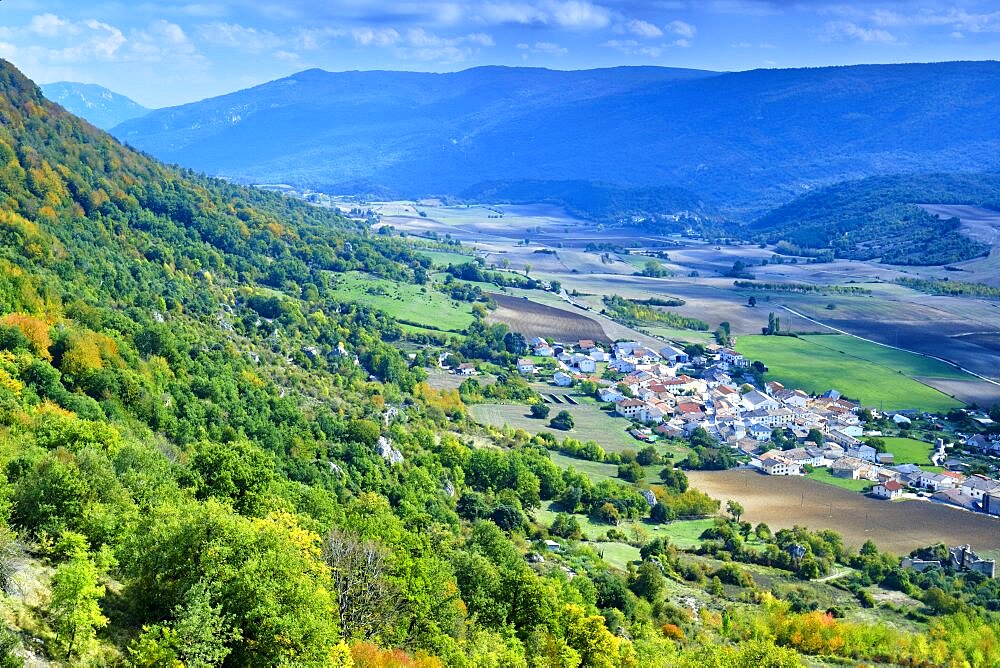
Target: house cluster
<point>673,395</point>
<point>581,357</point>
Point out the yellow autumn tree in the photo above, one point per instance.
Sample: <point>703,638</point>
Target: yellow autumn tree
<point>35,330</point>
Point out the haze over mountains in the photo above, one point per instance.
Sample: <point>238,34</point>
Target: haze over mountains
<point>98,105</point>
<point>741,142</point>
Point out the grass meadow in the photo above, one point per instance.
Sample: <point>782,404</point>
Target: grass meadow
<point>872,374</point>
<point>416,304</point>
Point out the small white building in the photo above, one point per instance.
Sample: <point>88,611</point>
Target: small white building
<point>562,379</point>
<point>890,489</point>
<point>525,367</point>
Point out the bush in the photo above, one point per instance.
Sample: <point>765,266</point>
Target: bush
<point>539,411</point>
<point>563,421</point>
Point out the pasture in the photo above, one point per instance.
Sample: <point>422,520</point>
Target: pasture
<point>786,501</point>
<point>909,450</point>
<point>590,423</point>
<point>874,375</point>
<point>419,305</point>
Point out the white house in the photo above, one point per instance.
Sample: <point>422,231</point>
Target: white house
<point>562,379</point>
<point>755,400</point>
<point>629,407</point>
<point>584,363</point>
<point>525,367</point>
<point>977,486</point>
<point>776,466</point>
<point>611,394</point>
<point>466,369</point>
<point>865,452</point>
<point>733,358</point>
<point>888,490</point>
<point>937,481</point>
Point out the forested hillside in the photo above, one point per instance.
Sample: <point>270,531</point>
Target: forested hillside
<point>879,218</point>
<point>743,142</point>
<point>208,458</point>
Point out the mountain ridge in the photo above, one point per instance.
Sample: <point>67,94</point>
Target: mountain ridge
<point>96,104</point>
<point>743,141</point>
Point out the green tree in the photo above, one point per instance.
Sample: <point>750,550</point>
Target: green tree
<point>238,471</point>
<point>649,581</point>
<point>735,509</point>
<point>563,421</point>
<point>566,526</point>
<point>540,411</point>
<point>74,609</point>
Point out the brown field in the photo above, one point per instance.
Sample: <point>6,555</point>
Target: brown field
<point>533,319</point>
<point>896,526</point>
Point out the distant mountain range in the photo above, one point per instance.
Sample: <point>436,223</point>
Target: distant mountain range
<point>742,142</point>
<point>95,104</point>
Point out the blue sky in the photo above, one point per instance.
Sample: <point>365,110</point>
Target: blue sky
<point>163,53</point>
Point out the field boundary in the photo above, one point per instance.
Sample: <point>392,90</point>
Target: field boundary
<point>886,345</point>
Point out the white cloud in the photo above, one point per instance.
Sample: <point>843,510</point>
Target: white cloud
<point>682,29</point>
<point>238,36</point>
<point>642,28</point>
<point>375,36</point>
<point>544,49</point>
<point>511,12</point>
<point>843,31</point>
<point>579,14</point>
<point>61,42</point>
<point>50,25</point>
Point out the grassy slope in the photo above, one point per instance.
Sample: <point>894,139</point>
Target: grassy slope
<point>590,423</point>
<point>873,374</point>
<point>406,301</point>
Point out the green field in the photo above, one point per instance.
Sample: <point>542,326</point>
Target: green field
<point>617,554</point>
<point>591,423</point>
<point>416,304</point>
<point>823,475</point>
<point>686,533</point>
<point>909,450</point>
<point>875,375</point>
<point>442,258</point>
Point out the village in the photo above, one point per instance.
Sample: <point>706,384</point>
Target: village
<point>670,394</point>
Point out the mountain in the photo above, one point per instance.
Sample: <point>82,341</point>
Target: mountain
<point>599,202</point>
<point>741,141</point>
<point>879,217</point>
<point>211,455</point>
<point>96,104</point>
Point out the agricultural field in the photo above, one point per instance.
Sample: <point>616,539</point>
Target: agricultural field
<point>590,423</point>
<point>875,375</point>
<point>418,305</point>
<point>909,450</point>
<point>824,476</point>
<point>785,501</point>
<point>533,319</point>
<point>442,258</point>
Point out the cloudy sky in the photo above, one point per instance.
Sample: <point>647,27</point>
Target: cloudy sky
<point>170,52</point>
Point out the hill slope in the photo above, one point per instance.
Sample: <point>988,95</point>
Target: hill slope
<point>209,457</point>
<point>96,104</point>
<point>742,141</point>
<point>879,217</point>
